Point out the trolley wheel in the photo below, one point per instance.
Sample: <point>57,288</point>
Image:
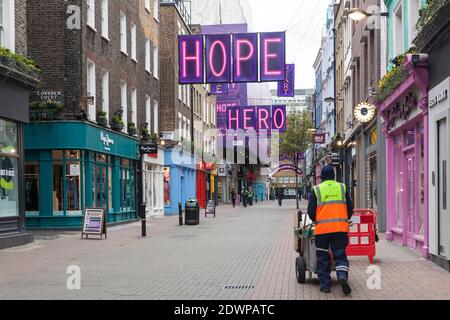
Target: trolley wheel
<point>300,270</point>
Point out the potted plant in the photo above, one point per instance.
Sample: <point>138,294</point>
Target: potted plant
<point>132,129</point>
<point>117,122</point>
<point>154,137</point>
<point>145,132</point>
<point>102,119</point>
<point>43,110</point>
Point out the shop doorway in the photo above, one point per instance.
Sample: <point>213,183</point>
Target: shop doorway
<point>101,187</point>
<point>442,187</point>
<point>410,196</point>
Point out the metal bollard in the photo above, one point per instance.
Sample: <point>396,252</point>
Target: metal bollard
<point>180,213</point>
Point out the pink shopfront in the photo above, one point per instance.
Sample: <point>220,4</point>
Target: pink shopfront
<point>405,114</point>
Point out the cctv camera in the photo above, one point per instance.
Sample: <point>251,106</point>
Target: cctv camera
<point>421,57</point>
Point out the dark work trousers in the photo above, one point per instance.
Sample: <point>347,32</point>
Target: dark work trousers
<point>338,243</point>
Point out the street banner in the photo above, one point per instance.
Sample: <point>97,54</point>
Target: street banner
<point>245,55</point>
<point>286,88</point>
<point>190,48</point>
<point>254,57</point>
<point>219,89</point>
<point>273,56</point>
<point>218,53</point>
<point>257,118</point>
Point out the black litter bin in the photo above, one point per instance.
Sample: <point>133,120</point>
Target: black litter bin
<point>192,212</point>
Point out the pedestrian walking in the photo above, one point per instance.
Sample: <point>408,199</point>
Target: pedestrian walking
<point>330,207</point>
<point>245,197</point>
<point>280,195</point>
<point>250,197</point>
<point>233,196</point>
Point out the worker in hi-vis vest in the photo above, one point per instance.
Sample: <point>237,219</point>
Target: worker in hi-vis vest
<point>331,208</point>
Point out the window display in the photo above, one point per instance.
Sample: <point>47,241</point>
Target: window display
<point>9,174</point>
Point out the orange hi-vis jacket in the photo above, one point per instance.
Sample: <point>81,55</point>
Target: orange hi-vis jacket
<point>331,213</point>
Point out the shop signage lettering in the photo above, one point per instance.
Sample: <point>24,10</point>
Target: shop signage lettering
<point>151,149</point>
<point>106,140</point>
<point>319,138</point>
<point>257,118</point>
<point>228,58</point>
<point>286,88</point>
<point>7,173</point>
<point>401,111</point>
<point>438,99</point>
<point>219,89</point>
<point>94,222</point>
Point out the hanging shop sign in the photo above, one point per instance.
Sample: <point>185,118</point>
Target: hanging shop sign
<point>94,223</point>
<point>167,135</point>
<point>319,138</point>
<point>229,58</point>
<point>286,88</point>
<point>150,149</point>
<point>257,118</point>
<point>365,112</point>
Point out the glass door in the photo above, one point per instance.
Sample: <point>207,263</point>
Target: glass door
<point>100,186</point>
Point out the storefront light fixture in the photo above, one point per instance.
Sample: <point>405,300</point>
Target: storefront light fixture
<point>358,14</point>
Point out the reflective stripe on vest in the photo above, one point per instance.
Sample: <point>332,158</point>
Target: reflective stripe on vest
<point>331,214</point>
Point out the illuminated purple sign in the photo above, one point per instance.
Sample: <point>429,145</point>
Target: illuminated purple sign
<point>219,89</point>
<point>218,57</point>
<point>232,58</point>
<point>272,56</point>
<point>190,48</point>
<point>286,88</point>
<point>245,53</point>
<point>258,118</point>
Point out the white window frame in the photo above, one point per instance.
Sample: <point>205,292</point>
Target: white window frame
<point>134,106</point>
<point>148,63</point>
<point>91,14</point>
<point>133,42</point>
<point>155,116</point>
<point>180,127</point>
<point>91,89</point>
<point>148,111</point>
<point>156,62</point>
<point>8,29</point>
<point>124,104</point>
<point>398,34</point>
<point>105,93</point>
<point>123,33</point>
<point>147,5</point>
<point>413,16</point>
<point>2,23</point>
<point>105,19</point>
<point>156,10</point>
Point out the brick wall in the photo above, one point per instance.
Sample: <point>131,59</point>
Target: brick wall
<point>63,54</point>
<point>21,26</point>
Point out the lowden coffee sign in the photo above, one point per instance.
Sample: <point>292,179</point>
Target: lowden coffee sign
<point>229,58</point>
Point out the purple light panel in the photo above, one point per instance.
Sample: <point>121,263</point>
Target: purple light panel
<point>218,57</point>
<point>260,118</point>
<point>245,57</point>
<point>190,55</point>
<point>219,89</point>
<point>272,56</point>
<point>286,88</point>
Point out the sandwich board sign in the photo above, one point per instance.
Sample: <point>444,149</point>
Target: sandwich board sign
<point>94,223</point>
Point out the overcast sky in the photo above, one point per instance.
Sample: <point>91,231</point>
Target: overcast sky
<point>304,21</point>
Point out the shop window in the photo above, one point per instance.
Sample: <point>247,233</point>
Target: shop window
<point>8,138</point>
<point>420,218</point>
<point>410,138</point>
<point>73,186</point>
<point>127,184</point>
<point>32,187</point>
<point>9,188</point>
<point>58,187</point>
<point>398,171</point>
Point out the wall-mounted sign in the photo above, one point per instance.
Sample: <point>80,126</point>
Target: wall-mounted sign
<point>106,140</point>
<point>94,223</point>
<point>167,135</point>
<point>257,118</point>
<point>401,111</point>
<point>50,96</point>
<point>319,138</point>
<point>364,112</point>
<point>222,58</point>
<point>286,88</point>
<point>441,97</point>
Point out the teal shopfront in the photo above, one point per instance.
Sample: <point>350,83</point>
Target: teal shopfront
<point>70,166</point>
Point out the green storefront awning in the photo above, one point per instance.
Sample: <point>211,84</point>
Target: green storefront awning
<point>77,135</point>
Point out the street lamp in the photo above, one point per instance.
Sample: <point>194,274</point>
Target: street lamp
<point>358,14</point>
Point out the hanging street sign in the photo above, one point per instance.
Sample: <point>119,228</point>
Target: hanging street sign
<point>286,88</point>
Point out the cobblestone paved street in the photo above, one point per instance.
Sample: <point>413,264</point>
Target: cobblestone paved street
<point>250,247</point>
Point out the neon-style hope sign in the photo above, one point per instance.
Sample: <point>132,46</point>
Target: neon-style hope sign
<point>258,118</point>
<point>230,58</point>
